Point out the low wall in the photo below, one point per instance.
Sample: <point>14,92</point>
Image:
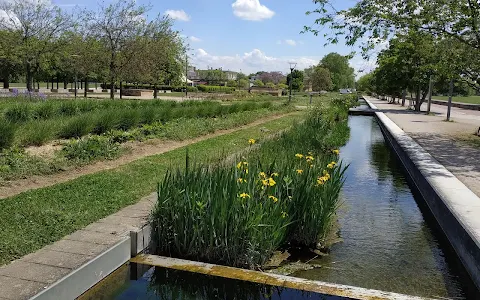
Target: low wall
<point>456,104</point>
<point>137,93</point>
<point>455,207</point>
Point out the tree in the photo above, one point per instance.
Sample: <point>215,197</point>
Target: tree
<point>10,63</point>
<point>270,85</point>
<point>365,83</point>
<point>38,25</point>
<point>270,77</point>
<point>258,83</point>
<point>297,81</point>
<point>119,26</point>
<point>232,83</point>
<point>408,63</point>
<point>243,83</point>
<point>321,79</point>
<point>341,72</point>
<point>370,22</point>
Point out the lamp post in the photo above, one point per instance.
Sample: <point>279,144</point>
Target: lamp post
<point>186,75</point>
<point>292,67</point>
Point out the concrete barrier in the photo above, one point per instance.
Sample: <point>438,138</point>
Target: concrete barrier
<point>455,207</point>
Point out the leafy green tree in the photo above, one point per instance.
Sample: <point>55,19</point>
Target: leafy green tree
<point>243,83</point>
<point>258,83</point>
<point>10,62</point>
<point>232,83</point>
<point>282,86</point>
<point>341,72</point>
<point>370,22</point>
<point>321,79</point>
<point>270,85</point>
<point>38,25</point>
<point>365,83</point>
<point>296,78</point>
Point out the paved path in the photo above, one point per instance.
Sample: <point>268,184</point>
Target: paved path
<point>34,272</point>
<point>438,137</point>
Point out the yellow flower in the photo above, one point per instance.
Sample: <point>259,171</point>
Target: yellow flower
<point>241,180</point>
<point>326,176</point>
<point>310,153</point>
<point>264,182</point>
<point>284,214</point>
<point>244,196</point>
<point>336,151</point>
<point>274,174</point>
<point>239,165</point>
<point>246,171</point>
<point>245,163</point>
<point>263,175</point>
<point>275,199</point>
<point>271,182</point>
<point>299,172</point>
<point>309,158</point>
<point>331,165</point>
<point>298,155</point>
<point>290,197</point>
<point>251,141</point>
<point>322,180</point>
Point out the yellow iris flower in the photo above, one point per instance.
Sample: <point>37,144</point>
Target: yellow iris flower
<point>275,199</point>
<point>244,196</point>
<point>251,141</point>
<point>299,172</point>
<point>298,155</point>
<point>336,152</point>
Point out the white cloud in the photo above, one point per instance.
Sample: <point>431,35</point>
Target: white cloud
<point>180,15</point>
<point>290,42</point>
<point>251,10</point>
<point>250,62</point>
<point>195,39</point>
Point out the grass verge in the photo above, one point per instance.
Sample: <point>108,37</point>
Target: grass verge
<point>36,218</point>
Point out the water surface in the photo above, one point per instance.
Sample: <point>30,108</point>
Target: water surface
<point>387,243</point>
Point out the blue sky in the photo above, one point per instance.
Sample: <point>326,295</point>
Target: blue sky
<point>247,35</point>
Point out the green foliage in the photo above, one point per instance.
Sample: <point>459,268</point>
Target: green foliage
<point>297,82</point>
<point>366,84</point>
<point>258,83</point>
<point>7,134</point>
<point>238,215</point>
<point>16,163</point>
<point>90,148</point>
<point>76,127</point>
<point>321,79</point>
<point>342,74</point>
<point>19,112</point>
<point>215,89</point>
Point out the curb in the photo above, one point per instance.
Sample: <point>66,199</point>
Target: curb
<point>455,207</point>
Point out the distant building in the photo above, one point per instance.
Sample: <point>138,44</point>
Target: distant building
<point>231,75</point>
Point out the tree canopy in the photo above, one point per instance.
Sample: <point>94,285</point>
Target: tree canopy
<point>341,73</point>
<point>297,81</point>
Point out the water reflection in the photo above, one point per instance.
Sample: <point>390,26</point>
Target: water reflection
<point>165,284</point>
<point>387,244</point>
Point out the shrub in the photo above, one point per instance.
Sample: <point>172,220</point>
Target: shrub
<point>7,134</point>
<point>45,110</point>
<point>38,133</point>
<point>19,112</point>
<point>77,127</point>
<point>128,119</point>
<point>90,148</point>
<point>67,108</point>
<point>16,163</point>
<point>105,121</point>
<point>215,89</point>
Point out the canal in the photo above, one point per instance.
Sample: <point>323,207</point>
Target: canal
<point>388,241</point>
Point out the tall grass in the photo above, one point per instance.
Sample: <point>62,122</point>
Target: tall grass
<point>7,134</point>
<point>284,192</point>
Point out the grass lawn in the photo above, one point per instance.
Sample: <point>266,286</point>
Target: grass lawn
<point>36,218</point>
<point>470,99</point>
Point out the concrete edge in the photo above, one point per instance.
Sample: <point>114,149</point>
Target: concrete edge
<point>268,278</point>
<point>454,206</point>
<point>83,278</point>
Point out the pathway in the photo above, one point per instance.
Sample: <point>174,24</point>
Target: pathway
<point>440,138</point>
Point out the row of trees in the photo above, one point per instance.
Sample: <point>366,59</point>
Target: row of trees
<point>116,42</point>
<point>439,39</point>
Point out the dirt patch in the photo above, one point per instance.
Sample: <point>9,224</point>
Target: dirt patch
<point>137,151</point>
<point>45,151</point>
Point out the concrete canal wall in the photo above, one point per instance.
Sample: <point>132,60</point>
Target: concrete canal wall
<point>455,207</point>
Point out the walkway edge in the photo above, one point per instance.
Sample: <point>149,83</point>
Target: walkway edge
<point>455,207</point>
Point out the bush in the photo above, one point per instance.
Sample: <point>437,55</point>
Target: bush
<point>281,194</point>
<point>38,133</point>
<point>77,127</point>
<point>7,134</point>
<point>215,89</point>
<point>18,113</point>
<point>105,121</point>
<point>90,148</point>
<point>128,119</point>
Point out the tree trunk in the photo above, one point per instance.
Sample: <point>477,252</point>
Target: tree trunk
<point>112,88</point>
<point>86,89</point>
<point>121,89</point>
<point>404,96</point>
<point>155,92</point>
<point>48,84</point>
<point>6,82</point>
<point>38,85</point>
<point>417,99</point>
<point>65,85</point>
<point>29,77</point>
<point>81,84</point>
